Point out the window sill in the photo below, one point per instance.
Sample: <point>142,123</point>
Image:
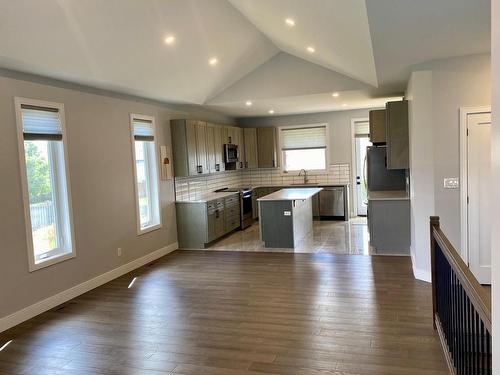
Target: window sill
<point>51,261</point>
<point>310,172</point>
<point>152,228</point>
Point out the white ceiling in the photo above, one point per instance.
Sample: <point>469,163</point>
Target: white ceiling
<point>337,29</point>
<point>363,50</point>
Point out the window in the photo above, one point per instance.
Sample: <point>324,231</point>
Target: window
<point>45,177</point>
<point>304,148</point>
<point>146,173</point>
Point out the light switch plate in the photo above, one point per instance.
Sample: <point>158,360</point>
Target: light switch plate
<point>287,213</point>
<point>451,183</point>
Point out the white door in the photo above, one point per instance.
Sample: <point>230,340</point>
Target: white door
<point>479,195</point>
<point>361,190</point>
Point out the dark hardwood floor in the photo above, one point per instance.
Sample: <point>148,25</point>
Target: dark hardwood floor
<point>202,312</point>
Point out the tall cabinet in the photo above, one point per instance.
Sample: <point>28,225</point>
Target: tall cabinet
<point>397,135</point>
<point>190,150</point>
<point>250,142</point>
<point>266,147</point>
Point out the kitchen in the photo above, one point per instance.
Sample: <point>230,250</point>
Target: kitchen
<point>224,174</point>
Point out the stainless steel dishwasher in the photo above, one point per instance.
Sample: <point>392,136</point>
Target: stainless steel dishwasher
<point>332,203</point>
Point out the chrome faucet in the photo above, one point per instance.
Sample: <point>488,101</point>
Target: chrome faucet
<point>305,175</point>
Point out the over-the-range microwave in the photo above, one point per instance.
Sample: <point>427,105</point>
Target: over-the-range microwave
<point>230,153</point>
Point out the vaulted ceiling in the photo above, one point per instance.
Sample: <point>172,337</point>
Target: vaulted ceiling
<point>288,56</point>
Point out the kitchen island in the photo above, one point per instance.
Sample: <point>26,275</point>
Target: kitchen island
<point>286,216</point>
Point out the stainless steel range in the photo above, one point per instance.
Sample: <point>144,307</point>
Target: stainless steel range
<point>246,212</point>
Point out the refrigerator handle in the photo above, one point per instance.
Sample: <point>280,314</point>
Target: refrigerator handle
<point>364,170</point>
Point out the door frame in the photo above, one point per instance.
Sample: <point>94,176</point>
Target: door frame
<point>354,120</point>
<point>464,177</point>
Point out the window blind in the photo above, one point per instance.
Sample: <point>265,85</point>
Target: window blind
<point>362,129</point>
<point>303,138</point>
<point>143,130</point>
<point>41,123</point>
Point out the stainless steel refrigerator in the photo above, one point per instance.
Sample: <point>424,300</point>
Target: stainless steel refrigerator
<point>378,177</point>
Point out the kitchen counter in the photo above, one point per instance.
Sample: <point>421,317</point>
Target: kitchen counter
<point>388,195</point>
<point>206,197</point>
<point>291,194</point>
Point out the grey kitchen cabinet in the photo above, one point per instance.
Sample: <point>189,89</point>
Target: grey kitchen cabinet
<point>240,142</point>
<point>250,142</point>
<point>389,226</point>
<point>266,147</point>
<point>189,147</point>
<point>214,148</point>
<point>201,146</point>
<point>232,212</point>
<point>397,135</point>
<point>200,223</point>
<point>378,127</point>
<point>210,133</point>
<point>215,219</point>
<point>218,147</point>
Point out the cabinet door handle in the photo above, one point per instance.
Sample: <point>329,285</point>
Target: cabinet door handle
<point>217,167</point>
<point>200,169</point>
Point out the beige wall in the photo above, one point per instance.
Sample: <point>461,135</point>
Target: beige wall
<point>419,95</point>
<point>437,91</point>
<point>456,83</point>
<point>495,243</point>
<point>339,125</point>
<point>100,163</point>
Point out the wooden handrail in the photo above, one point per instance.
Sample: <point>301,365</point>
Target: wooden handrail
<point>477,294</point>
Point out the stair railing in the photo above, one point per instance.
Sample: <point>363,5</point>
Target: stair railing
<point>461,308</point>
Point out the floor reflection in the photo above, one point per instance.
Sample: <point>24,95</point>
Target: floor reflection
<point>332,237</point>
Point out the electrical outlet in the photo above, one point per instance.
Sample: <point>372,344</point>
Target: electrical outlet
<point>451,183</point>
<point>119,252</point>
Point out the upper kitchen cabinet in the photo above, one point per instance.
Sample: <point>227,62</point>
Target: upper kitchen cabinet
<point>219,148</point>
<point>189,147</point>
<point>377,127</point>
<point>397,135</point>
<point>240,142</point>
<point>250,142</point>
<point>266,147</point>
<point>214,148</point>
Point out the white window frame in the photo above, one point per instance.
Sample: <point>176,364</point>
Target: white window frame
<point>311,171</point>
<point>141,231</point>
<point>33,266</point>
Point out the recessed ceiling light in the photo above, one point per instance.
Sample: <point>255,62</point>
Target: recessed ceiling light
<point>271,111</point>
<point>310,49</point>
<point>335,94</point>
<point>170,39</point>
<point>290,22</point>
<point>344,104</point>
<point>213,61</point>
<point>248,103</point>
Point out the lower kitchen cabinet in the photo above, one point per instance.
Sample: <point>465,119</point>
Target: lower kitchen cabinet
<point>389,226</point>
<point>199,223</point>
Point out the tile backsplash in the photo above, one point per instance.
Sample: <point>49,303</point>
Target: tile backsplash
<point>187,188</point>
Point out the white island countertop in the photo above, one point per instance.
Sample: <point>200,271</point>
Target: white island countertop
<point>294,194</point>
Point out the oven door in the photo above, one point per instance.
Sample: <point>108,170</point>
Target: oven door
<point>246,205</point>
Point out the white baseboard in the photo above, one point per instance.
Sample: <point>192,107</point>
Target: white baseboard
<point>64,296</point>
<point>420,274</point>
